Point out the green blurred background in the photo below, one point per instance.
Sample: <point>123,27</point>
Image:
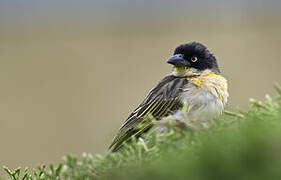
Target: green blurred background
<point>72,71</point>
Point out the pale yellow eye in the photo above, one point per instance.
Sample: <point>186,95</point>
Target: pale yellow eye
<point>194,59</point>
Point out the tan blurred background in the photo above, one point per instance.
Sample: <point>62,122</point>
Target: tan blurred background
<point>72,71</point>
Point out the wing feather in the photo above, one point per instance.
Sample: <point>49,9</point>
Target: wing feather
<point>163,99</point>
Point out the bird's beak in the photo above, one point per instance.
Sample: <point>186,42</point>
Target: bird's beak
<point>178,61</point>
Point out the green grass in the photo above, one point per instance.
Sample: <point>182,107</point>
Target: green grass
<point>244,145</point>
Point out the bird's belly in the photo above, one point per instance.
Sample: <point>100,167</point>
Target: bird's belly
<point>202,104</point>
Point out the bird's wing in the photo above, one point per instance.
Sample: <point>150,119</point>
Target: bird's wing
<point>160,102</point>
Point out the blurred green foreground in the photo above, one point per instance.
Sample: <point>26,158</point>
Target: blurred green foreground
<point>235,147</point>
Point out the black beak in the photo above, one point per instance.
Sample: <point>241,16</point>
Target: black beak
<point>178,61</point>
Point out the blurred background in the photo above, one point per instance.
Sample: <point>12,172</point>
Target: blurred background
<point>72,71</point>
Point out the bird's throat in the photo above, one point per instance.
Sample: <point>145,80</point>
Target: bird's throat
<point>182,71</point>
<point>179,69</point>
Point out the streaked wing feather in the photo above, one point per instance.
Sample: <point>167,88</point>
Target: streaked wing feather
<point>160,102</point>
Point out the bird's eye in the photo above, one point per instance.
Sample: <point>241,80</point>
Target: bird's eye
<point>194,59</point>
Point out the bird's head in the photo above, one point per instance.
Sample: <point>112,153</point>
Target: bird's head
<point>193,58</point>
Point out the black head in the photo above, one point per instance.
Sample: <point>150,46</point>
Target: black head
<point>194,55</point>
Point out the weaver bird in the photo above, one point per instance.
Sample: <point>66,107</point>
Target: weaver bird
<point>194,81</point>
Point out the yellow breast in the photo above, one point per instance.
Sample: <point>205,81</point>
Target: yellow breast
<point>214,83</point>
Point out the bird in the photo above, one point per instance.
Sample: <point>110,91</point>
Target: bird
<point>195,81</point>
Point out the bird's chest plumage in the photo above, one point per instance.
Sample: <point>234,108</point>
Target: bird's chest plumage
<point>205,95</point>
